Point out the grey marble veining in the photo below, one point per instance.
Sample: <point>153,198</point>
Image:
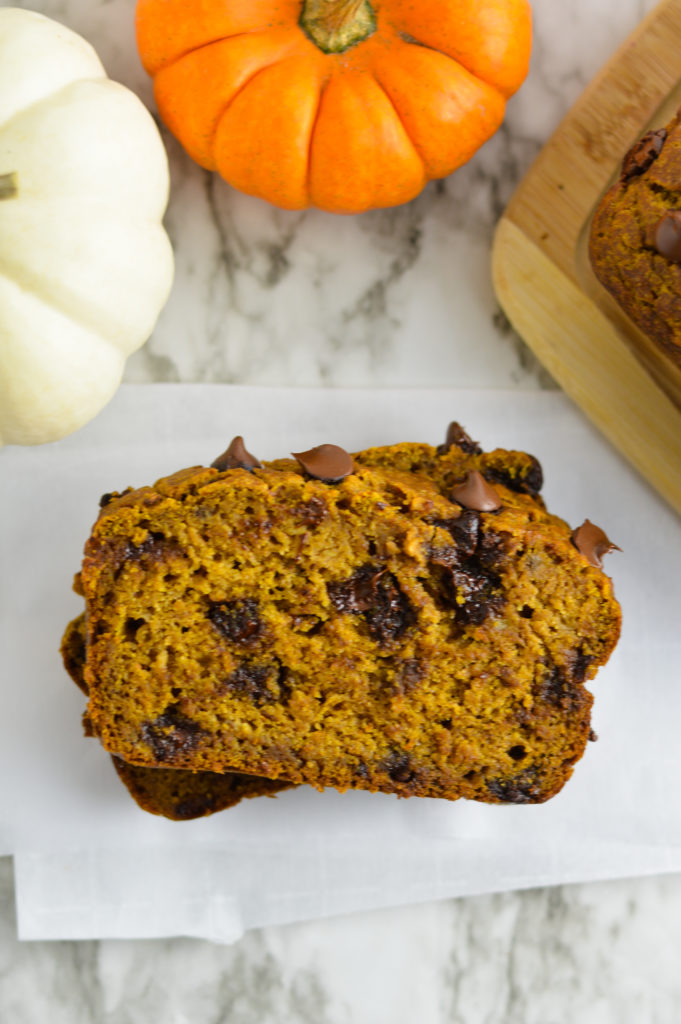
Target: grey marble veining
<point>392,298</point>
<point>596,954</point>
<point>395,297</point>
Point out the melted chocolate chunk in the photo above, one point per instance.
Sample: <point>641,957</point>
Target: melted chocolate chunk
<point>593,543</point>
<point>251,681</point>
<point>107,498</point>
<point>473,595</point>
<point>468,583</point>
<point>374,593</point>
<point>236,457</point>
<point>326,462</point>
<point>476,494</point>
<point>457,437</point>
<point>237,620</point>
<point>358,593</point>
<point>643,153</point>
<point>408,674</point>
<point>555,688</point>
<point>399,767</point>
<point>562,689</point>
<point>530,480</point>
<point>170,734</point>
<point>311,512</point>
<point>391,614</point>
<point>520,789</point>
<point>579,665</point>
<point>493,549</point>
<point>667,236</point>
<point>154,544</point>
<point>465,532</point>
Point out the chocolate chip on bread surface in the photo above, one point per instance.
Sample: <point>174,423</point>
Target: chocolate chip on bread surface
<point>418,624</point>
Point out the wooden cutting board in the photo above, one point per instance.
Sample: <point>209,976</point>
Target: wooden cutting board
<point>540,264</point>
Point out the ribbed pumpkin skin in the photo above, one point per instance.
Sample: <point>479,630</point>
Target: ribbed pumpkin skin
<point>85,264</point>
<point>250,95</point>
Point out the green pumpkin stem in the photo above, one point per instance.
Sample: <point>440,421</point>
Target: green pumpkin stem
<point>336,25</point>
<point>8,185</point>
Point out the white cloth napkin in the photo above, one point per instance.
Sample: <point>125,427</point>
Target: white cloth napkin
<point>89,863</point>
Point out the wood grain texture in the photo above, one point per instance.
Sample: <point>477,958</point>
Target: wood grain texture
<point>540,265</point>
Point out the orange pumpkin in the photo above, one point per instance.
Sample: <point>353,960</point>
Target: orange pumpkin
<point>346,105</point>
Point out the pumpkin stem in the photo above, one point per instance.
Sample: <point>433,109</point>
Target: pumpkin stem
<point>336,25</point>
<point>8,185</point>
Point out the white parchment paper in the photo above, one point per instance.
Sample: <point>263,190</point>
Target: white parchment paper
<point>89,863</point>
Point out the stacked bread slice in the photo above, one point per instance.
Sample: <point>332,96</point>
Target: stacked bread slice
<point>406,620</point>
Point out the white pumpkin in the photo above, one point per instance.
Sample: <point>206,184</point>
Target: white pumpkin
<point>85,265</point>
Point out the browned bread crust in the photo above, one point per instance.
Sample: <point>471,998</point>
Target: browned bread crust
<point>373,632</point>
<point>627,254</point>
<point>183,796</point>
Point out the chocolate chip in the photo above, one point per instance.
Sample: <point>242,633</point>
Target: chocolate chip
<point>236,457</point>
<point>408,674</point>
<point>520,789</point>
<point>667,236</point>
<point>526,612</point>
<point>473,595</point>
<point>529,478</point>
<point>533,479</point>
<point>555,688</point>
<point>492,548</point>
<point>517,753</point>
<point>593,736</point>
<point>105,499</point>
<point>643,153</point>
<point>399,768</point>
<point>579,665</point>
<point>475,493</point>
<point>593,543</point>
<point>326,462</point>
<point>154,545</point>
<point>374,593</point>
<point>356,594</point>
<point>391,614</point>
<point>237,620</point>
<point>468,583</point>
<point>250,681</point>
<point>464,530</point>
<point>311,512</point>
<point>457,437</point>
<point>561,689</point>
<point>170,734</point>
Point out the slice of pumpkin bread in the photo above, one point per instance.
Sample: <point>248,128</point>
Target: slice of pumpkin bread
<point>409,620</point>
<point>172,793</point>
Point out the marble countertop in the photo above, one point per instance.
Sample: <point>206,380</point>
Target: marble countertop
<point>392,298</point>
